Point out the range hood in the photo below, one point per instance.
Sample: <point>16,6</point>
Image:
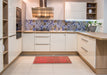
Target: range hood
<point>42,12</point>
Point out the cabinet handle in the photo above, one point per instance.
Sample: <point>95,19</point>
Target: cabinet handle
<point>42,44</point>
<point>84,40</point>
<point>12,35</point>
<point>42,36</point>
<point>84,49</point>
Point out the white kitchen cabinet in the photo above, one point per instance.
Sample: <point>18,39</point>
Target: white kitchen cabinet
<point>12,17</point>
<point>71,42</point>
<point>58,42</point>
<point>12,48</point>
<point>42,41</point>
<point>1,56</point>
<point>19,45</point>
<point>87,48</point>
<point>79,43</point>
<point>28,42</point>
<point>42,47</point>
<point>92,52</point>
<point>75,10</point>
<point>1,61</point>
<point>1,6</point>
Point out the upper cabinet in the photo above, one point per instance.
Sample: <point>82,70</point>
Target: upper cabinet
<point>63,9</point>
<point>12,17</point>
<point>75,10</point>
<point>91,10</point>
<point>81,10</point>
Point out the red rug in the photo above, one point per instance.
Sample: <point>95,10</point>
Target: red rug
<point>51,59</point>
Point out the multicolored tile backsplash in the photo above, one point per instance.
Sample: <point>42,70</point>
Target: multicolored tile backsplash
<point>48,25</point>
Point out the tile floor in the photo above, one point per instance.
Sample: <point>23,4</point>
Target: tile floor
<point>23,66</point>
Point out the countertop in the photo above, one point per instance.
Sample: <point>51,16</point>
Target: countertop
<point>96,35</point>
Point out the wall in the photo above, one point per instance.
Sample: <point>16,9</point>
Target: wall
<point>19,3</point>
<point>58,6</point>
<point>29,5</point>
<point>100,9</point>
<point>100,13</point>
<point>105,16</point>
<point>23,14</point>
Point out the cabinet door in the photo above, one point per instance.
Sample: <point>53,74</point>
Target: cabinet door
<point>1,61</point>
<point>1,56</point>
<point>12,48</point>
<point>12,17</point>
<point>75,10</point>
<point>19,45</point>
<point>92,52</point>
<point>79,43</point>
<point>71,42</point>
<point>42,47</point>
<point>28,42</point>
<point>87,48</point>
<point>42,41</point>
<point>58,42</point>
<point>1,19</point>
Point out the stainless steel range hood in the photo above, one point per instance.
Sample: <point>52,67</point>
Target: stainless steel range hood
<point>42,12</point>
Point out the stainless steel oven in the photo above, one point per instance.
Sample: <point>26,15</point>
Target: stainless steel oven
<point>18,23</point>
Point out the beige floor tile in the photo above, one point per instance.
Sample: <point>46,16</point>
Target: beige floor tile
<point>24,66</point>
<point>41,73</point>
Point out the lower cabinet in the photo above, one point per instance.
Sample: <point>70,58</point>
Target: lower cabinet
<point>92,52</point>
<point>58,41</point>
<point>42,47</point>
<point>42,42</point>
<point>87,49</point>
<point>28,42</point>
<point>1,56</point>
<point>71,42</point>
<point>19,45</point>
<point>12,51</point>
<point>49,42</point>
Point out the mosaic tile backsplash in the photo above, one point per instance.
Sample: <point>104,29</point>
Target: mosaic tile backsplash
<point>48,25</point>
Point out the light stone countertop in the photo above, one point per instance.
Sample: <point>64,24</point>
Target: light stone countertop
<point>96,35</point>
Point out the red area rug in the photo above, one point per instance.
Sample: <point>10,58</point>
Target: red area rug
<point>51,59</point>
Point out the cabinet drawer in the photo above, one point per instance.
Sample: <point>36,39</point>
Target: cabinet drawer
<point>84,51</point>
<point>42,34</point>
<point>42,47</point>
<point>87,48</point>
<point>42,40</point>
<point>85,42</point>
<point>84,39</point>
